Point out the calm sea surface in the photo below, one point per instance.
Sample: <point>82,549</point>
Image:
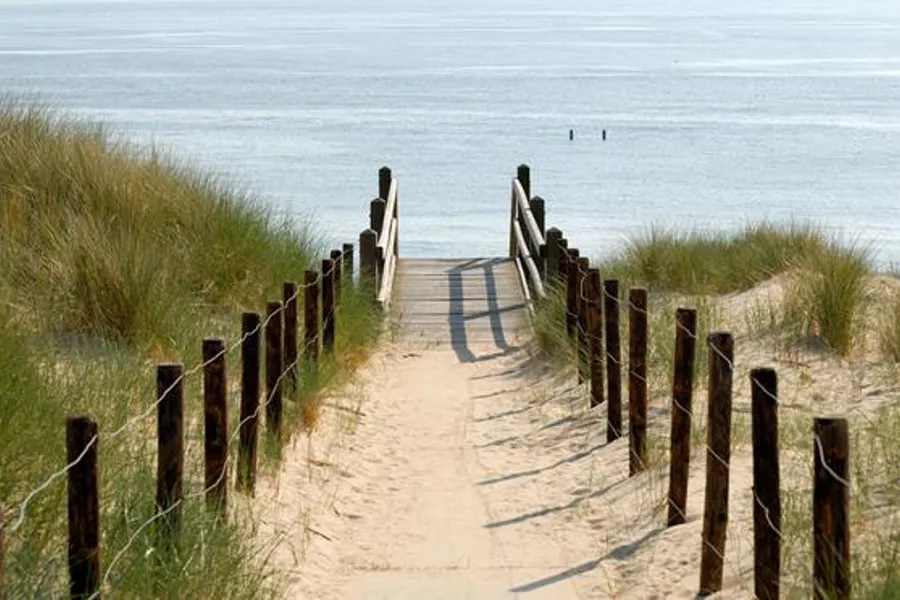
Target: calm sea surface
<point>717,112</point>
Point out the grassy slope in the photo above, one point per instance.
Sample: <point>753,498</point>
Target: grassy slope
<point>112,258</point>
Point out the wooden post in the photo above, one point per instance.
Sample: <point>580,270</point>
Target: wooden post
<point>291,293</point>
<point>523,174</point>
<point>718,459</point>
<point>537,209</point>
<point>215,425</point>
<point>637,380</point>
<point>513,219</point>
<point>831,510</point>
<point>572,292</point>
<point>368,273</point>
<point>562,268</point>
<point>581,308</point>
<point>84,507</point>
<point>337,259</point>
<point>348,262</point>
<point>376,215</point>
<point>554,236</point>
<point>250,328</point>
<point>766,484</point>
<point>682,399</point>
<point>2,555</point>
<point>327,305</point>
<point>274,366</point>
<point>595,336</point>
<point>311,316</point>
<point>613,360</point>
<point>384,182</point>
<point>170,455</point>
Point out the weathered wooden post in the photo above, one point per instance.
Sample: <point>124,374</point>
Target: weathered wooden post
<point>274,367</point>
<point>3,554</point>
<point>718,459</point>
<point>831,510</point>
<point>291,293</point>
<point>84,507</point>
<point>348,262</point>
<point>562,268</point>
<point>170,455</point>
<point>537,210</point>
<point>554,236</point>
<point>311,316</point>
<point>368,271</point>
<point>637,380</point>
<point>215,425</point>
<point>595,336</point>
<point>328,325</point>
<point>613,360</point>
<point>384,182</point>
<point>337,259</point>
<point>766,484</point>
<point>523,174</point>
<point>376,215</point>
<point>251,323</point>
<point>572,292</point>
<point>682,400</point>
<point>581,308</point>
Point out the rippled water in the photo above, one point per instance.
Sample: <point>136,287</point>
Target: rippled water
<point>716,112</point>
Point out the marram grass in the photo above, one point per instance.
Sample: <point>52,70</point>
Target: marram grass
<point>112,258</point>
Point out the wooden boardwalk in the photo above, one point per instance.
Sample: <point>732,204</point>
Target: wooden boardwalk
<point>471,303</point>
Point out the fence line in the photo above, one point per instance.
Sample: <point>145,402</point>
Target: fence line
<point>831,563</point>
<point>84,529</point>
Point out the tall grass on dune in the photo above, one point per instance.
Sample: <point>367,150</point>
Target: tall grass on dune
<point>114,257</point>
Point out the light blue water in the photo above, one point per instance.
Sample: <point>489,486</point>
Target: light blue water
<point>717,112</point>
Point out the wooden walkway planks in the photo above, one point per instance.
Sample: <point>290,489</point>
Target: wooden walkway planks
<point>470,301</point>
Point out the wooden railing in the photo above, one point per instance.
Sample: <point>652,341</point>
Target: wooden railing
<point>527,246</point>
<point>380,243</point>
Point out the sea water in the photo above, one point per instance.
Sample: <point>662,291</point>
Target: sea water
<point>716,112</point>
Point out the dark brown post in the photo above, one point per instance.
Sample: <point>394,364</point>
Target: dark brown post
<point>337,259</point>
<point>251,324</point>
<point>311,316</point>
<point>595,336</point>
<point>766,484</point>
<point>84,507</point>
<point>637,380</point>
<point>327,305</point>
<point>215,425</point>
<point>376,215</point>
<point>523,174</point>
<point>348,262</point>
<point>718,458</point>
<point>562,269</point>
<point>2,555</point>
<point>537,210</point>
<point>291,293</point>
<point>384,182</point>
<point>554,235</point>
<point>581,308</point>
<point>613,360</point>
<point>368,273</point>
<point>274,366</point>
<point>682,399</point>
<point>170,455</point>
<point>831,511</point>
<point>572,292</point>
